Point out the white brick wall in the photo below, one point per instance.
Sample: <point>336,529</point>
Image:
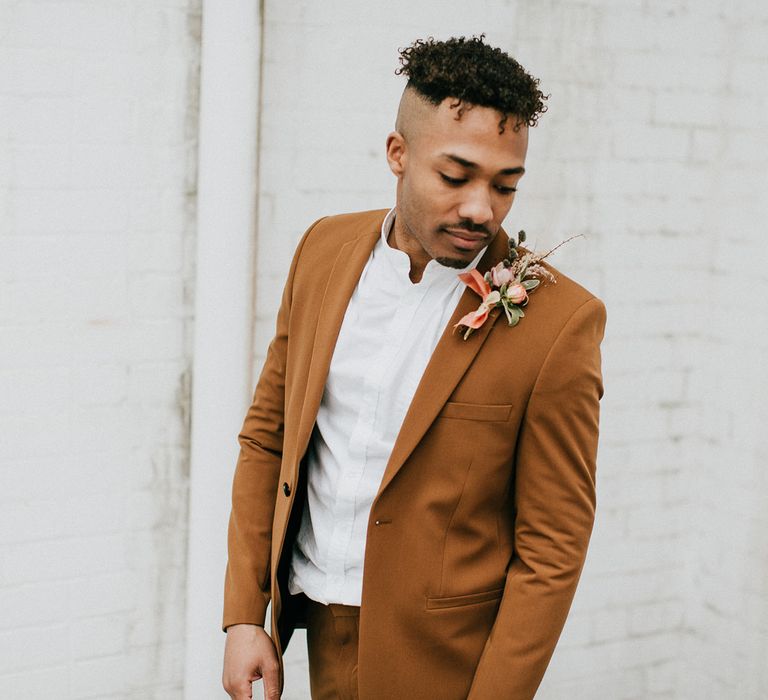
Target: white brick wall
<point>97,126</point>
<point>654,147</point>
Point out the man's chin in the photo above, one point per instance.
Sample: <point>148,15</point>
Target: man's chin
<point>453,262</point>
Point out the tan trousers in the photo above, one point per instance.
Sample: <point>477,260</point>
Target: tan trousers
<point>332,634</point>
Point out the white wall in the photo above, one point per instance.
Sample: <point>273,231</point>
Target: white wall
<point>654,147</point>
<point>725,637</point>
<point>97,172</point>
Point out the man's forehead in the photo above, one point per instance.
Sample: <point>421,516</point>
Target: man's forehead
<point>475,124</point>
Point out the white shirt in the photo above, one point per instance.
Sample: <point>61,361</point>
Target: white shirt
<point>390,328</point>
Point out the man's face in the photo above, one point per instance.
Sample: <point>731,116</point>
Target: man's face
<point>456,180</point>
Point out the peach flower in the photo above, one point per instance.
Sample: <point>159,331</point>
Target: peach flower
<point>500,274</point>
<point>476,282</point>
<point>516,293</point>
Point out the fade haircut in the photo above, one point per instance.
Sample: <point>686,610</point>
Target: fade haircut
<point>472,73</point>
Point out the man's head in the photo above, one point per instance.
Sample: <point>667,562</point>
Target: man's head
<point>459,147</point>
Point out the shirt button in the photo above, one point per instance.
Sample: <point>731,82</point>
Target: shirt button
<point>286,488</point>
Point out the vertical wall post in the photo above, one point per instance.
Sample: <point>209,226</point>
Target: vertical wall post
<point>223,323</point>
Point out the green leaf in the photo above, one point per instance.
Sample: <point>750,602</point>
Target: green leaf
<point>506,311</point>
<point>513,314</point>
<point>531,284</point>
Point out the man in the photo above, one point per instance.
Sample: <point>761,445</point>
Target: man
<point>420,500</point>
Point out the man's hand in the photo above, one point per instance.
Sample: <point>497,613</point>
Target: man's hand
<point>249,655</point>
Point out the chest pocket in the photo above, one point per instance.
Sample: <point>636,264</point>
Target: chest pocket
<point>476,411</point>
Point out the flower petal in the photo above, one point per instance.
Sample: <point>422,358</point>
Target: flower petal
<point>475,281</point>
<point>474,319</point>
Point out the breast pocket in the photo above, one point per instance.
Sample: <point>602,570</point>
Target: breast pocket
<point>476,411</point>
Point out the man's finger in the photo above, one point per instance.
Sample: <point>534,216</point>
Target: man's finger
<point>270,676</point>
<point>241,692</point>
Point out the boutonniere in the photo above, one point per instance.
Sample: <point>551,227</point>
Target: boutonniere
<point>506,284</point>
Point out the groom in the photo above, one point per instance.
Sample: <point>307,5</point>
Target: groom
<point>421,499</point>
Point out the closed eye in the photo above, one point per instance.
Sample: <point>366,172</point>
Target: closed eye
<point>454,181</point>
<point>506,190</point>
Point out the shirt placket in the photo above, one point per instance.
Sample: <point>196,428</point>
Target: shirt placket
<point>362,435</point>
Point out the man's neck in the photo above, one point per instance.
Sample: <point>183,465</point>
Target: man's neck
<point>400,240</point>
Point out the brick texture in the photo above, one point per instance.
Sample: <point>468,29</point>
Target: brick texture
<point>653,147</point>
<point>98,137</point>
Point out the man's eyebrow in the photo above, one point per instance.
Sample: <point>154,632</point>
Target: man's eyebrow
<point>519,170</point>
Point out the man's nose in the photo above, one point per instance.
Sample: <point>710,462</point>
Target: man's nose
<point>476,206</point>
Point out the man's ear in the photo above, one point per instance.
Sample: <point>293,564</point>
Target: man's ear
<point>396,153</point>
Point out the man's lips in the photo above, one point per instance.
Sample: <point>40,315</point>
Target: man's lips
<point>465,235</point>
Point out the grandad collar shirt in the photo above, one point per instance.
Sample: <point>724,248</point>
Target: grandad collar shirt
<point>390,328</point>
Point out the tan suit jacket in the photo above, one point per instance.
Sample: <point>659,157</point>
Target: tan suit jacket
<point>478,533</point>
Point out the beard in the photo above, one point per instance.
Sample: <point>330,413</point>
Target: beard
<point>452,262</point>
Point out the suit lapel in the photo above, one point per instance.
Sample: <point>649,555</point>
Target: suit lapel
<point>449,361</point>
<point>346,271</point>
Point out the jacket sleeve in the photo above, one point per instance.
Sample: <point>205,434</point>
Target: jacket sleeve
<point>555,507</point>
<point>255,482</point>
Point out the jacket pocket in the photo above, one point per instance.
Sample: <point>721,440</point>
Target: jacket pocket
<point>476,411</point>
<point>456,601</point>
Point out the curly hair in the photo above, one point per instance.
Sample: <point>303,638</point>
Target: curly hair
<point>472,73</point>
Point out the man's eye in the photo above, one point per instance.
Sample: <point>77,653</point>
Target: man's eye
<point>455,181</point>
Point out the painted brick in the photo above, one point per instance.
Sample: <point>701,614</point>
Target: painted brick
<point>106,676</point>
<point>664,616</point>
<point>35,72</point>
<point>74,211</point>
<point>102,594</point>
<point>33,647</point>
<point>94,637</point>
<point>653,144</point>
<point>692,108</point>
<point>35,604</point>
<point>609,624</point>
<point>662,678</point>
<point>96,227</point>
<point>657,70</point>
<point>624,685</point>
<point>36,684</point>
<point>50,560</point>
<point>41,120</point>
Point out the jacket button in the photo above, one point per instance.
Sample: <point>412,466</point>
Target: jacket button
<point>286,488</point>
